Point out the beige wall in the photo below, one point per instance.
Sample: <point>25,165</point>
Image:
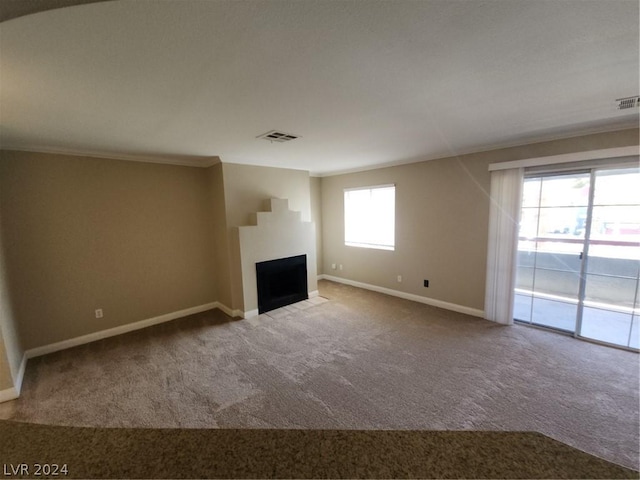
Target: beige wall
<point>220,236</point>
<point>6,380</point>
<point>442,211</point>
<point>134,239</point>
<point>11,352</point>
<point>247,190</point>
<point>316,217</point>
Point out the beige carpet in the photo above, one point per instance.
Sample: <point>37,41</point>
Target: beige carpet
<point>362,361</point>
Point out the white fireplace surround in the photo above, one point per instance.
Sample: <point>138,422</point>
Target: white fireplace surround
<point>277,233</point>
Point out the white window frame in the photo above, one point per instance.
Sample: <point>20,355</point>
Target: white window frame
<point>350,238</point>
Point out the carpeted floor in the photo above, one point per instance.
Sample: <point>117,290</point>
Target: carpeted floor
<point>361,361</point>
<point>76,452</point>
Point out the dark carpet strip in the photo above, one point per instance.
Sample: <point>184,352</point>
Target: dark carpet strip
<point>200,453</point>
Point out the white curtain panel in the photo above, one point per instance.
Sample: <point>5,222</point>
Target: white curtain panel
<point>504,217</point>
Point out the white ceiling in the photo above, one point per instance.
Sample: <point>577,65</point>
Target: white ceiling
<point>363,83</point>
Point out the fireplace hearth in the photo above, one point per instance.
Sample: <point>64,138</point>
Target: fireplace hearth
<point>281,282</point>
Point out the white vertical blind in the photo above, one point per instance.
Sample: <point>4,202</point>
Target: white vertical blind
<point>504,213</point>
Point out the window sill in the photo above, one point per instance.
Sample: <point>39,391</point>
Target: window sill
<point>366,245</point>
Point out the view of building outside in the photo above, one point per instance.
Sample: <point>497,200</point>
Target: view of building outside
<point>552,243</point>
<point>556,209</point>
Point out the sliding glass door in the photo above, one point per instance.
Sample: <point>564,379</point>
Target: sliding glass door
<point>612,265</point>
<point>579,254</point>
<point>550,244</point>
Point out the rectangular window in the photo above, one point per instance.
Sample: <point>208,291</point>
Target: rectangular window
<point>369,217</point>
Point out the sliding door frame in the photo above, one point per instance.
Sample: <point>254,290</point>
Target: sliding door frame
<point>582,288</point>
<point>558,171</point>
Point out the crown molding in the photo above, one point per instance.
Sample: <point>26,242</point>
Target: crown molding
<point>487,148</point>
<point>183,161</point>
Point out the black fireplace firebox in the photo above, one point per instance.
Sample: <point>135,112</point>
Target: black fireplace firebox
<point>281,282</point>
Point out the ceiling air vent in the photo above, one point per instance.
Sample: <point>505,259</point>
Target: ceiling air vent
<point>628,102</point>
<point>275,136</point>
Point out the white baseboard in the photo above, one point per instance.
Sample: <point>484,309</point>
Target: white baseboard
<point>250,313</point>
<point>229,311</point>
<point>8,394</point>
<point>111,332</point>
<point>315,293</point>
<point>407,296</point>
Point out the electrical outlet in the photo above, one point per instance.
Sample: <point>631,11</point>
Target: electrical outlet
<point>99,313</point>
<point>340,267</point>
<point>399,278</point>
<point>333,266</point>
<point>426,283</point>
